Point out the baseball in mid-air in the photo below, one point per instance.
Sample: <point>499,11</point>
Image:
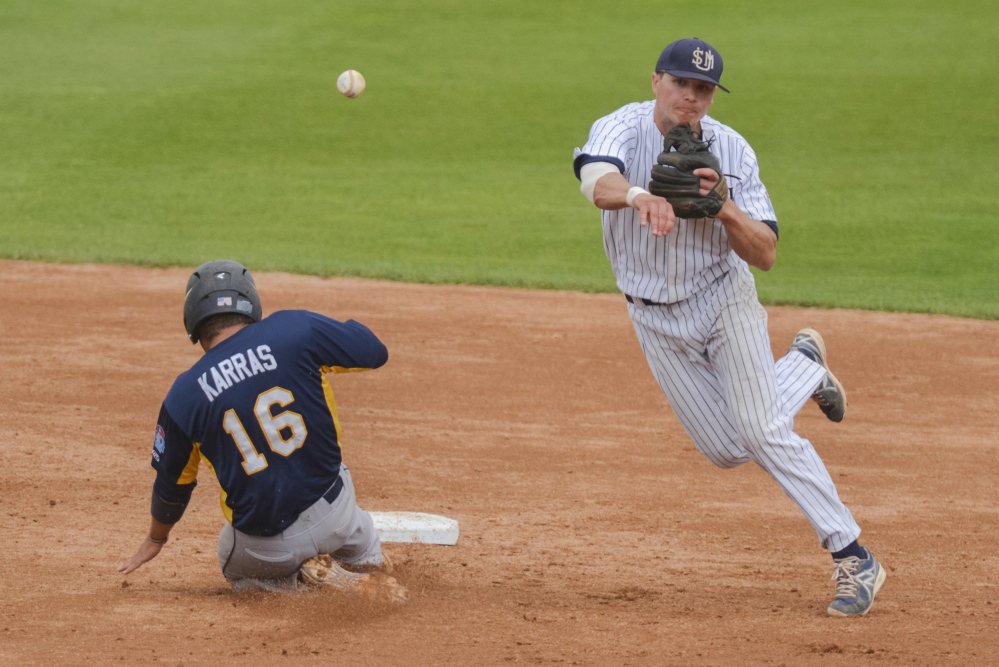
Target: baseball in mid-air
<point>350,83</point>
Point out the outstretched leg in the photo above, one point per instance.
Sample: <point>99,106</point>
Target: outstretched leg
<point>740,351</point>
<point>718,373</point>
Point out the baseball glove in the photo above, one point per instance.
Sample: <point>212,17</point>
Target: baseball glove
<point>673,177</point>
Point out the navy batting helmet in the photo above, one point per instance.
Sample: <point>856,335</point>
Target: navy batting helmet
<point>220,286</point>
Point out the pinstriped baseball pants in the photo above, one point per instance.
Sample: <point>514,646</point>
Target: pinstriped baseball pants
<point>711,356</point>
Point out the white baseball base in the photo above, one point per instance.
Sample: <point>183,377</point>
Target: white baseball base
<point>415,527</point>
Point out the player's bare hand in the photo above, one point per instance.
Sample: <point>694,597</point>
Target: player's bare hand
<point>709,179</point>
<point>147,551</point>
<point>656,213</point>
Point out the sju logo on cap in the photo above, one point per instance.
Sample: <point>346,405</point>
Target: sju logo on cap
<point>706,57</point>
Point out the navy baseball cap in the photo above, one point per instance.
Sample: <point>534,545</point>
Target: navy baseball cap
<point>692,59</point>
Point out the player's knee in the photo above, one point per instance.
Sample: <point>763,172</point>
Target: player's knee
<point>766,437</point>
<point>730,461</point>
<point>760,430</point>
<point>724,457</point>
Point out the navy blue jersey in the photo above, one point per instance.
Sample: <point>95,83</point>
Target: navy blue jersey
<point>257,408</point>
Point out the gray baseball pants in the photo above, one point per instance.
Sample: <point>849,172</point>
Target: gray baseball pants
<point>341,529</point>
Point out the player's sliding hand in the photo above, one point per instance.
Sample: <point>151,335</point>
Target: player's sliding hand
<point>656,213</point>
<point>147,551</point>
<point>709,178</point>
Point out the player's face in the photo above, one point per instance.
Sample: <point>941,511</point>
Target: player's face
<point>681,101</point>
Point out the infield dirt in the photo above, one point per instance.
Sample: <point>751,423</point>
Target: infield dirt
<point>592,531</point>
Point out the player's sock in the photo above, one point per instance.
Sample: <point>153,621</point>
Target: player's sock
<point>853,549</point>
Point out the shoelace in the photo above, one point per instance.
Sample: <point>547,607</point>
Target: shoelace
<point>845,576</point>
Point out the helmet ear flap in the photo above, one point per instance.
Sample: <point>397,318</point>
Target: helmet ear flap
<point>220,286</point>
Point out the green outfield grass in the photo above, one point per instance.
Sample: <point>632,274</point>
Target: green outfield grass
<point>169,133</point>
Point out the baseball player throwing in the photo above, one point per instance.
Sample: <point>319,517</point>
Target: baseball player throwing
<point>258,410</point>
<point>682,261</point>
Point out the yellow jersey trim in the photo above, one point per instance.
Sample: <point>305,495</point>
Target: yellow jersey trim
<point>190,472</point>
<point>223,496</point>
<point>328,393</point>
<point>341,369</point>
<point>331,403</point>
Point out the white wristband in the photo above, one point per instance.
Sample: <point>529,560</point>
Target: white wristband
<point>634,192</point>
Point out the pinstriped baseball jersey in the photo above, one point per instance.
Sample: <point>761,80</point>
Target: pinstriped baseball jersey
<point>701,326</point>
<point>670,268</point>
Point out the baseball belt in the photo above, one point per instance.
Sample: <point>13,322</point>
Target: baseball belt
<point>647,302</point>
<point>334,491</point>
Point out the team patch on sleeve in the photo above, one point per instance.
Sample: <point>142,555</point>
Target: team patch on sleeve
<point>159,442</point>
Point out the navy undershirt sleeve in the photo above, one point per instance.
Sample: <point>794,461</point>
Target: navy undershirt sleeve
<point>170,511</point>
<point>583,159</point>
<point>772,225</point>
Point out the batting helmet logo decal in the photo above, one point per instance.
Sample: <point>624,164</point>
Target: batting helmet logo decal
<point>706,57</point>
